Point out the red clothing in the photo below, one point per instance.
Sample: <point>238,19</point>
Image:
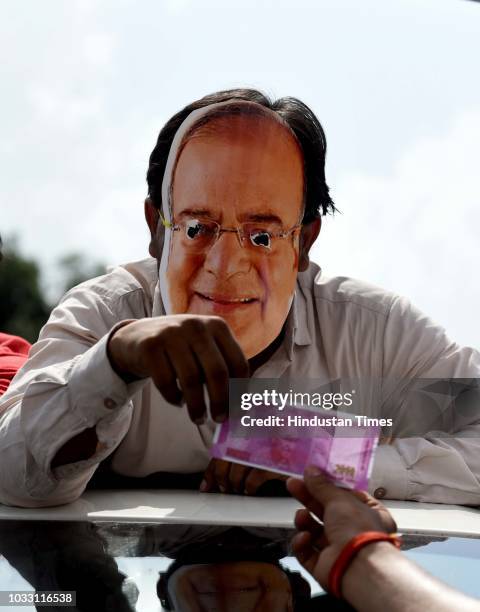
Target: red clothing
<point>13,354</point>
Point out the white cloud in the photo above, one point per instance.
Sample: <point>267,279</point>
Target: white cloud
<point>416,231</point>
<point>98,49</point>
<point>177,7</point>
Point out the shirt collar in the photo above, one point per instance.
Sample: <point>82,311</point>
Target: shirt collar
<point>297,332</point>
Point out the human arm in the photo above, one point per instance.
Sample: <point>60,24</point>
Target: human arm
<point>379,577</point>
<point>70,400</point>
<point>435,453</point>
<point>66,388</point>
<point>190,349</point>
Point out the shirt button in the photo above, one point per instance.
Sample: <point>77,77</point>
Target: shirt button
<point>380,493</point>
<point>108,402</point>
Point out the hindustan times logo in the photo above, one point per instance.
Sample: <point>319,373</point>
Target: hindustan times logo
<point>276,399</point>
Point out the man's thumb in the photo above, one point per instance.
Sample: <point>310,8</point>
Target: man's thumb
<point>318,485</point>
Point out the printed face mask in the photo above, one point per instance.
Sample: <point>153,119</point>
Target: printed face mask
<point>232,198</point>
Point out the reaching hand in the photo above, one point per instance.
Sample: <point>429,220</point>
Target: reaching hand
<point>344,513</point>
<point>190,349</point>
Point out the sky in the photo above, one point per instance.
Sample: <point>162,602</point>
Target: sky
<point>87,86</point>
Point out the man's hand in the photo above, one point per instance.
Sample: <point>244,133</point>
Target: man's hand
<point>180,353</point>
<point>228,477</point>
<point>344,513</point>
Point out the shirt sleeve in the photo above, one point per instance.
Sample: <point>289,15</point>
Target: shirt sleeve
<point>66,386</point>
<point>430,389</point>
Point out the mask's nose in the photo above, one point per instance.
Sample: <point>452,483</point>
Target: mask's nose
<point>226,257</point>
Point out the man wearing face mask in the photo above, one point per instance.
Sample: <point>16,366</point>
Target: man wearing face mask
<point>236,193</point>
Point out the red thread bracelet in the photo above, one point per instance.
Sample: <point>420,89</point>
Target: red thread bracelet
<point>348,553</point>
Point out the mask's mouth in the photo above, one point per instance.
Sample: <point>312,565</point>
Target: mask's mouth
<point>226,299</point>
<point>223,304</point>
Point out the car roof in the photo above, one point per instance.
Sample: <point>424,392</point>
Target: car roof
<point>174,506</point>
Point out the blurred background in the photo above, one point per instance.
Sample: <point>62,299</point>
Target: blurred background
<point>88,84</point>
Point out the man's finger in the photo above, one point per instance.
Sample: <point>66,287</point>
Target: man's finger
<point>190,379</point>
<point>208,482</point>
<point>320,489</point>
<point>164,378</point>
<point>304,521</point>
<point>221,471</point>
<point>215,373</point>
<point>303,549</point>
<point>235,359</point>
<point>298,489</point>
<point>237,476</point>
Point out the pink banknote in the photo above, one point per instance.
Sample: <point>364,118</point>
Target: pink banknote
<point>344,452</point>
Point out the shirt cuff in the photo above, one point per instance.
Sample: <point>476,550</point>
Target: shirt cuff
<point>94,387</point>
<point>389,474</point>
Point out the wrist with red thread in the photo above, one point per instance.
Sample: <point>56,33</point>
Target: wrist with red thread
<point>349,552</point>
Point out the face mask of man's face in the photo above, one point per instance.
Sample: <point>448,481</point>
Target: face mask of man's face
<point>236,204</point>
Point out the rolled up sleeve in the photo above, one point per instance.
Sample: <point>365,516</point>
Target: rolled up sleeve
<point>67,386</point>
<point>439,462</point>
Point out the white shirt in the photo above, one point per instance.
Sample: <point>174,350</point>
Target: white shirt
<point>338,328</point>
